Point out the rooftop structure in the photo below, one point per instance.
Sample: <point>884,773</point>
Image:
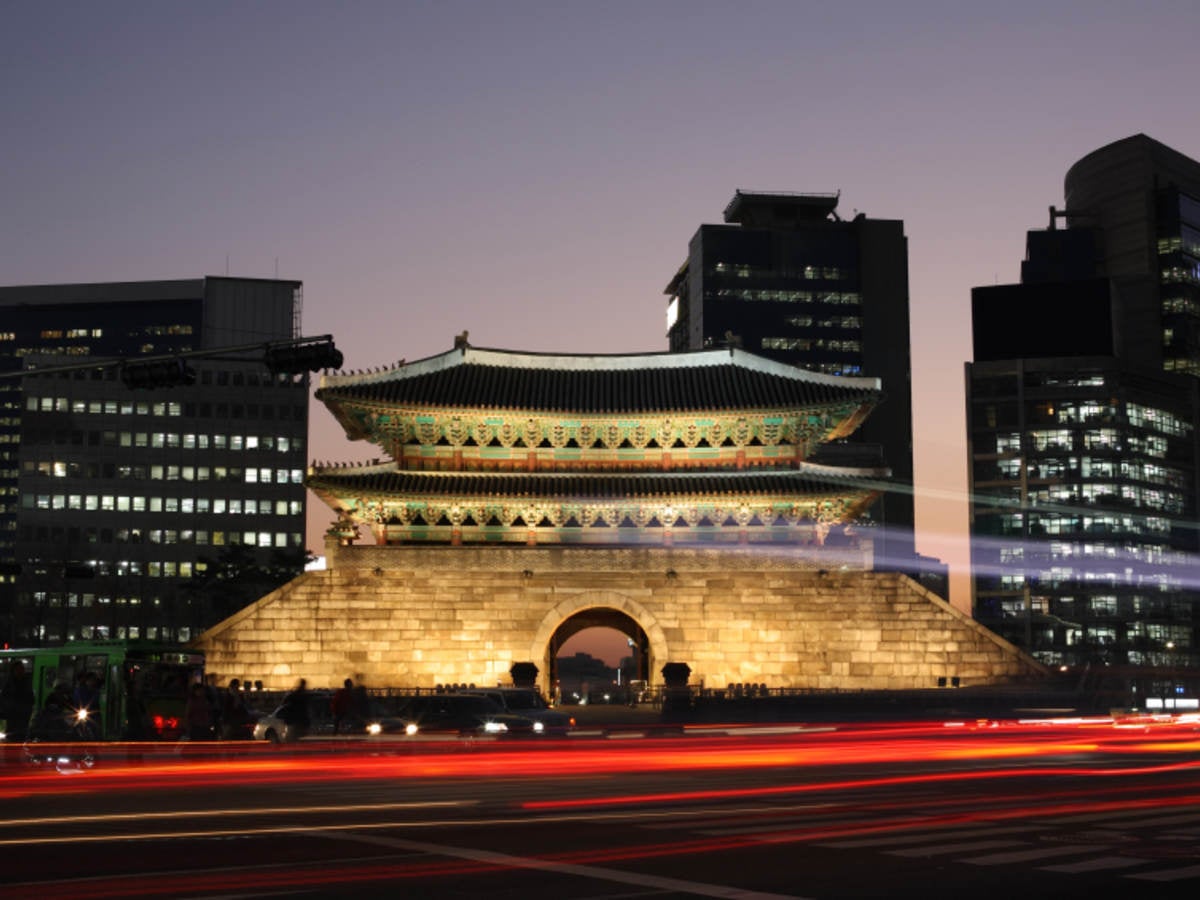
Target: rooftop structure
<point>492,445</point>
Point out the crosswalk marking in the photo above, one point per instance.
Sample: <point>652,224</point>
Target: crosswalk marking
<point>1168,874</point>
<point>946,849</point>
<point>1162,819</point>
<point>991,844</point>
<point>1015,856</point>
<point>1096,865</point>
<point>909,837</point>
<point>1090,817</point>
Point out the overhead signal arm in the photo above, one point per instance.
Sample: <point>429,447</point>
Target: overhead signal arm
<point>295,356</point>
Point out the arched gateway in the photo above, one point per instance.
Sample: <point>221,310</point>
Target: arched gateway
<point>603,609</point>
<point>528,495</point>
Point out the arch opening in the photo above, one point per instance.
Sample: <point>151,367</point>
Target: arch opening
<point>608,655</point>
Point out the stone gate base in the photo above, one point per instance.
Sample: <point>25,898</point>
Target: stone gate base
<point>404,617</point>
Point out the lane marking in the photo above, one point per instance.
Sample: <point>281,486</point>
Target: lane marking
<point>240,812</point>
<point>712,821</point>
<point>91,838</point>
<point>594,872</point>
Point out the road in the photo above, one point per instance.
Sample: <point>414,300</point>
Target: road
<point>978,809</point>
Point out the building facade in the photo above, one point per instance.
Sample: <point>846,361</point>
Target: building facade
<point>785,277</point>
<point>1082,403</point>
<point>124,509</point>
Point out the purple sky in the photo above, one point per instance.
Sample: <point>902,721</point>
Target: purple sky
<point>533,172</point>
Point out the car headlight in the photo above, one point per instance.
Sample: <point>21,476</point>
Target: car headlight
<point>495,727</point>
<point>411,728</point>
<point>374,728</point>
<point>81,715</point>
<point>539,727</point>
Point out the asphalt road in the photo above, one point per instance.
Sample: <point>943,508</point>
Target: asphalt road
<point>972,810</point>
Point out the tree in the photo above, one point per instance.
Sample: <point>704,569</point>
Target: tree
<point>239,576</point>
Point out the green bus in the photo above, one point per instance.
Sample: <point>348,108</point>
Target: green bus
<point>141,688</point>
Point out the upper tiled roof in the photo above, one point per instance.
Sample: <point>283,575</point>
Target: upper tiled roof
<point>659,382</point>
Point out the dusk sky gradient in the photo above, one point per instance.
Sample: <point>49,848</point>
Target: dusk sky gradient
<point>533,172</point>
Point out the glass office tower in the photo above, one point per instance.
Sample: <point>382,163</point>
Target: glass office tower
<point>124,509</point>
<point>1082,406</point>
<point>787,278</point>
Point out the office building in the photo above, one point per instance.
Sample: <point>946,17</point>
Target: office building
<point>1082,402</point>
<point>787,278</point>
<point>131,512</point>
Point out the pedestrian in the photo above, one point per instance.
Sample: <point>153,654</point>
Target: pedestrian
<point>199,714</point>
<point>341,704</point>
<point>295,712</point>
<point>16,701</point>
<point>234,714</point>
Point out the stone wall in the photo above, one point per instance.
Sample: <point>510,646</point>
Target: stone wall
<point>420,617</point>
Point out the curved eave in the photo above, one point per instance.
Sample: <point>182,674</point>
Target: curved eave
<point>378,481</point>
<point>522,384</point>
<point>350,412</point>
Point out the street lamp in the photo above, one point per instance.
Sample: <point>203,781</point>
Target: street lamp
<point>633,698</point>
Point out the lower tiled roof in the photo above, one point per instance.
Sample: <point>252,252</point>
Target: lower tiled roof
<point>589,486</point>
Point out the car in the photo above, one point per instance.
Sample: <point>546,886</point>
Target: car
<point>452,713</point>
<point>276,729</point>
<point>272,728</point>
<point>530,704</point>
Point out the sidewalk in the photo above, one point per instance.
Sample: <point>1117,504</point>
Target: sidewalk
<point>612,715</point>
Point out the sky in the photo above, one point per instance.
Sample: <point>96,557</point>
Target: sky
<point>532,171</point>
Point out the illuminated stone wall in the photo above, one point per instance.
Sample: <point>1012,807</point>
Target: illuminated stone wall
<point>420,617</point>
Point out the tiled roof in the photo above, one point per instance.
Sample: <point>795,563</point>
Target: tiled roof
<point>675,382</point>
<point>590,486</point>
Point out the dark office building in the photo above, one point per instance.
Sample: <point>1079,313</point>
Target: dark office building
<point>787,278</point>
<point>1082,403</point>
<point>122,510</point>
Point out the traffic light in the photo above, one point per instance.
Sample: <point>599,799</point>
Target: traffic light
<point>157,373</point>
<point>295,359</point>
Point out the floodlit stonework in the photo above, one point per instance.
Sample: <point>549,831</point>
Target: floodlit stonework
<point>429,616</point>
